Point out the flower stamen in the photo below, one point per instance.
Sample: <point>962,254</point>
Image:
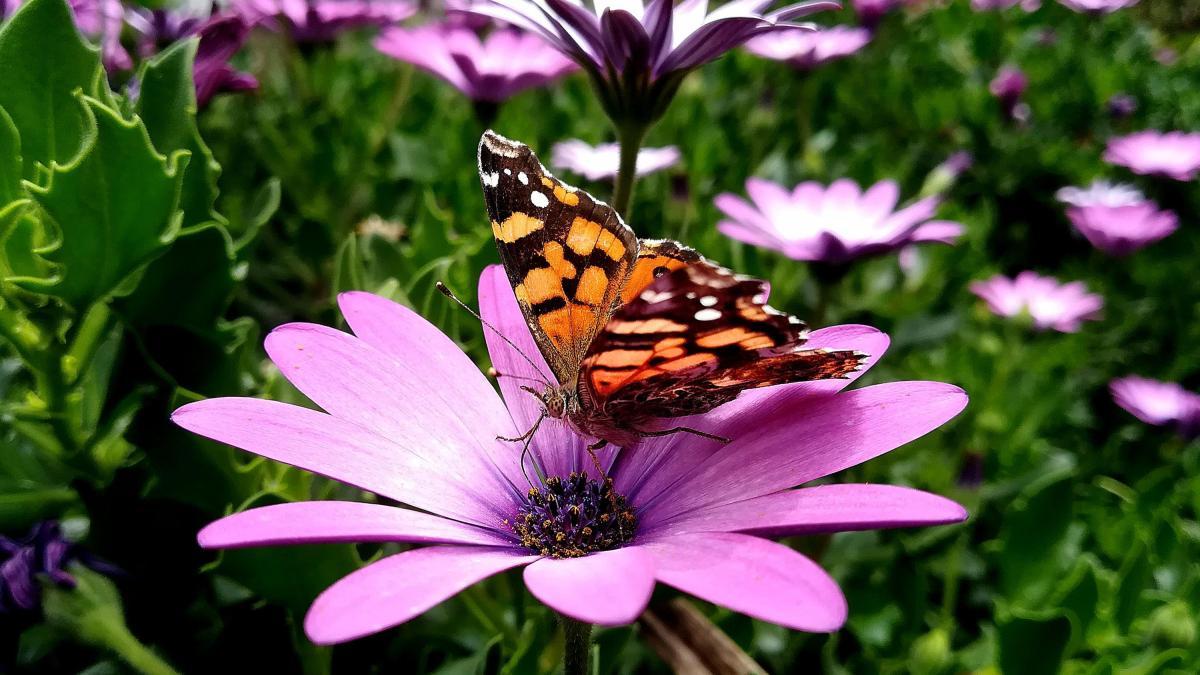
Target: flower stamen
<point>573,517</point>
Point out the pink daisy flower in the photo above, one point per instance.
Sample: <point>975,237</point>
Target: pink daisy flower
<point>1158,403</point>
<point>809,49</point>
<point>316,21</point>
<point>1174,154</point>
<point>832,224</point>
<point>1051,305</point>
<point>1097,6</point>
<point>1116,219</point>
<point>602,161</point>
<point>493,69</point>
<point>408,416</point>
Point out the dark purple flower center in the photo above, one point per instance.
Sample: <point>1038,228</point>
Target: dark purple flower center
<point>575,516</point>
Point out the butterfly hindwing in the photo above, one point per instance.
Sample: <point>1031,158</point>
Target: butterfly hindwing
<point>566,254</point>
<point>693,340</point>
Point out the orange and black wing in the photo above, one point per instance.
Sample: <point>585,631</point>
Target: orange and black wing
<point>566,254</point>
<point>694,339</point>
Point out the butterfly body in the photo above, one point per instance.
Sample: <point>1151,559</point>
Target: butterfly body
<point>636,332</point>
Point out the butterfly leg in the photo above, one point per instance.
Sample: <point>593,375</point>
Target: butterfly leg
<point>680,430</point>
<point>591,450</point>
<point>527,437</point>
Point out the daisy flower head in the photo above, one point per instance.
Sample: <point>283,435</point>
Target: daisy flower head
<point>1050,304</point>
<point>1097,6</point>
<point>808,49</point>
<point>1173,154</point>
<point>834,224</point>
<point>601,161</point>
<point>1116,218</point>
<point>319,21</point>
<point>1159,403</point>
<point>408,416</point>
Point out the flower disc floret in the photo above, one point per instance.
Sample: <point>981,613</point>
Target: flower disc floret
<point>572,517</point>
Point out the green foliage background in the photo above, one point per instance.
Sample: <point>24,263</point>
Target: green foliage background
<point>131,286</point>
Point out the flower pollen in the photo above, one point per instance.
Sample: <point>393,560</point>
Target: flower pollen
<point>574,517</point>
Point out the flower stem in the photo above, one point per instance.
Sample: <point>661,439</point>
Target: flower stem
<point>630,136</point>
<point>577,640</point>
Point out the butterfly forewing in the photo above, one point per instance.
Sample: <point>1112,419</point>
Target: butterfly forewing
<point>566,255</point>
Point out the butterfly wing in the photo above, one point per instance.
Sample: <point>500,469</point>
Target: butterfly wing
<point>566,254</point>
<point>694,339</point>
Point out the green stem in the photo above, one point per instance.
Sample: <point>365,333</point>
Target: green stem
<point>577,639</point>
<point>92,330</point>
<point>630,136</point>
<point>136,654</point>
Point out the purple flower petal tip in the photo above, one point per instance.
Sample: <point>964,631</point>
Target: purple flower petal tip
<point>603,161</point>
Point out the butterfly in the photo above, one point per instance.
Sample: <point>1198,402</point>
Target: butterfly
<point>635,331</point>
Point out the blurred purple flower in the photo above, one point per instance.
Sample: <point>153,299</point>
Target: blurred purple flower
<point>493,69</point>
<point>1009,86</point>
<point>315,21</point>
<point>1051,305</point>
<point>1101,193</point>
<point>1174,154</point>
<point>601,161</point>
<point>220,38</point>
<point>638,53</point>
<point>159,28</point>
<point>958,163</point>
<point>1122,106</point>
<point>832,225</point>
<point>1158,403</point>
<point>1097,6</point>
<point>991,5</point>
<point>43,551</point>
<point>1121,230</point>
<point>808,49</point>
<point>697,515</point>
<point>871,12</point>
<point>99,20</point>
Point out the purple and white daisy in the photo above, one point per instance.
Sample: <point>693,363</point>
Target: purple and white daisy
<point>408,416</point>
<point>832,224</point>
<point>601,161</point>
<point>639,51</point>
<point>1050,304</point>
<point>315,21</point>
<point>1159,403</point>
<point>809,49</point>
<point>491,69</point>
<point>1116,218</point>
<point>1097,6</point>
<point>1174,154</point>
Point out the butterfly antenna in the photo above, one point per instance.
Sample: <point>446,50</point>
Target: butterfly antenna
<point>445,290</point>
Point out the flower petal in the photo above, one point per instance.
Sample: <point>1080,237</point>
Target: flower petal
<point>610,588</point>
<point>559,449</point>
<point>756,577</point>
<point>822,509</point>
<point>395,589</point>
<point>432,358</point>
<point>801,438</point>
<point>334,448</point>
<point>353,381</point>
<point>321,522</point>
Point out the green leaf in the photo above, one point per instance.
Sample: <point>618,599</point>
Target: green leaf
<point>167,105</point>
<point>10,162</point>
<point>114,207</point>
<point>1035,542</point>
<point>43,62</point>
<point>1032,644</point>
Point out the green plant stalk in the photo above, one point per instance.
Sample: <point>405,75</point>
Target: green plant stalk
<point>121,642</point>
<point>577,640</point>
<point>92,330</point>
<point>630,136</point>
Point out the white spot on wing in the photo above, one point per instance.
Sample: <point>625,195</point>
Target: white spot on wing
<point>708,315</point>
<point>523,178</point>
<point>490,179</point>
<point>539,200</point>
<point>708,300</point>
<point>507,171</point>
<point>654,297</point>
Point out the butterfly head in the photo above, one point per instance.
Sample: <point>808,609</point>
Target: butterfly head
<point>558,402</point>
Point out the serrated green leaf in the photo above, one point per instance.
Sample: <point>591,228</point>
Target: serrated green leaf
<point>20,235</point>
<point>10,162</point>
<point>114,207</point>
<point>43,62</point>
<point>167,105</point>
